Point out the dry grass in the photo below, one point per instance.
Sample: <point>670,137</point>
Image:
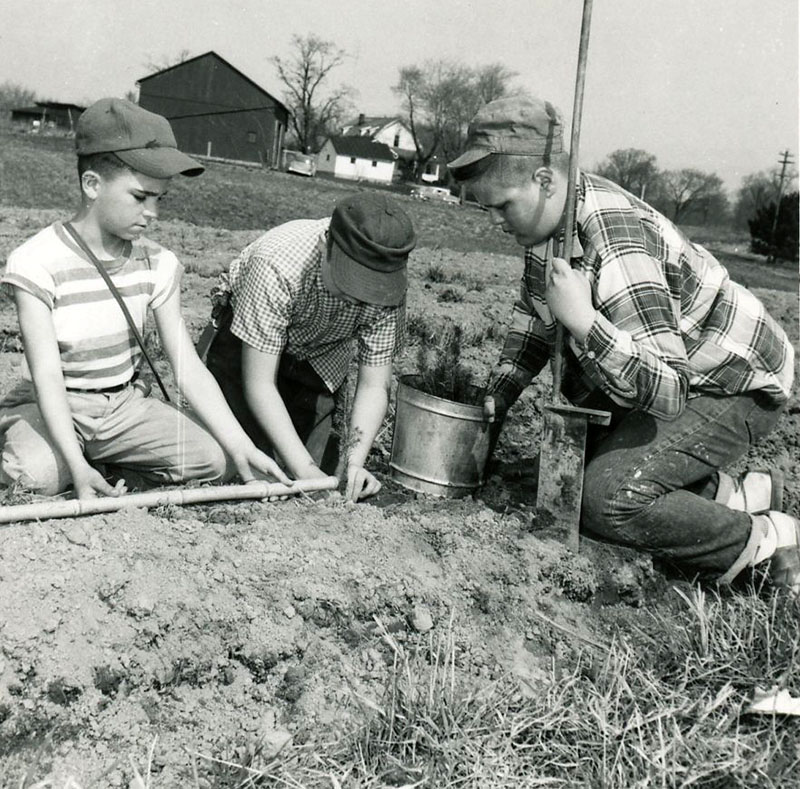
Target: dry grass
<point>668,712</point>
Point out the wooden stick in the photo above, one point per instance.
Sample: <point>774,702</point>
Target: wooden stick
<point>572,193</point>
<point>155,498</point>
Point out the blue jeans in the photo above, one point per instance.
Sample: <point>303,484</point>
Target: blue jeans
<point>650,483</point>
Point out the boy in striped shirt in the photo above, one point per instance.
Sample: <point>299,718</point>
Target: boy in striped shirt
<point>690,364</point>
<point>80,403</point>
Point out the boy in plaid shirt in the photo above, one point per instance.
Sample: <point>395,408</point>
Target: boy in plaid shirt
<point>690,364</point>
<point>302,296</point>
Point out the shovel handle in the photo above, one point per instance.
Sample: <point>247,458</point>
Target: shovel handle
<point>572,187</point>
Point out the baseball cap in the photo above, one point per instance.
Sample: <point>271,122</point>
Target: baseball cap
<point>515,125</point>
<point>141,139</point>
<point>371,237</point>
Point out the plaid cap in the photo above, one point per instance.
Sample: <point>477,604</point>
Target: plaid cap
<point>372,237</point>
<point>515,125</point>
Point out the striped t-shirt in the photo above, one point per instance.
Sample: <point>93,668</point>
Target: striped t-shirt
<point>97,347</point>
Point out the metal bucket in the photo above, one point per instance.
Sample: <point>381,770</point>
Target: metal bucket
<point>439,446</point>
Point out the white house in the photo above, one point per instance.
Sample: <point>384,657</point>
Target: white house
<point>357,158</point>
<point>388,130</point>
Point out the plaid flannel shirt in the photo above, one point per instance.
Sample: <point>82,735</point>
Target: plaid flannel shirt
<point>670,323</point>
<point>280,302</point>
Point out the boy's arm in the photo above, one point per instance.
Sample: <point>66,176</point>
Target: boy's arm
<point>369,408</point>
<point>525,352</point>
<point>632,337</point>
<point>41,353</point>
<point>203,394</point>
<point>260,382</point>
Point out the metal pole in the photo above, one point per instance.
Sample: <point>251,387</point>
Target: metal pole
<point>572,189</point>
<point>784,162</point>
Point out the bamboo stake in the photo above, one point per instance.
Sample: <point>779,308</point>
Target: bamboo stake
<point>155,498</point>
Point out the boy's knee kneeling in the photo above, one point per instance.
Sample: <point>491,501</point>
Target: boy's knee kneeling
<point>609,504</point>
<point>42,478</point>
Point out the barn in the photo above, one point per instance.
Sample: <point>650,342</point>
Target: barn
<point>216,111</point>
<point>47,115</point>
<point>357,158</point>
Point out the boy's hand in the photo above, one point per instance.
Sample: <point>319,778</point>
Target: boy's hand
<point>360,483</point>
<point>255,464</point>
<point>89,484</point>
<point>569,296</point>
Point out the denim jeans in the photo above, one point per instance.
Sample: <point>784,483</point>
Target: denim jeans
<point>309,402</point>
<point>650,483</point>
<point>146,441</point>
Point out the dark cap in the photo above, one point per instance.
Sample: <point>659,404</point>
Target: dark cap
<point>372,237</point>
<point>141,139</point>
<point>517,125</point>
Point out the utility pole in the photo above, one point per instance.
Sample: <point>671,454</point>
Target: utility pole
<point>784,162</point>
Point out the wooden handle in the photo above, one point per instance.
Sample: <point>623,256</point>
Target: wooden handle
<point>154,498</point>
<point>572,189</point>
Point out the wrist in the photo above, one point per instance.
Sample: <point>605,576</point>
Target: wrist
<point>581,324</point>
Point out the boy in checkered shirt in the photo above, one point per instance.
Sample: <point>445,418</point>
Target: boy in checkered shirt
<point>690,364</point>
<point>301,297</point>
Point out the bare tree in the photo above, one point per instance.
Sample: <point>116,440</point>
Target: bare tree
<point>315,110</point>
<point>439,98</point>
<point>756,192</point>
<point>691,190</point>
<point>13,95</point>
<point>165,61</point>
<point>632,168</point>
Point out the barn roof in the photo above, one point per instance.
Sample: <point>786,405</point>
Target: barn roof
<point>211,53</point>
<point>362,147</point>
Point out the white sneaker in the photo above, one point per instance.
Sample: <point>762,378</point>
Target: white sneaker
<point>755,492</point>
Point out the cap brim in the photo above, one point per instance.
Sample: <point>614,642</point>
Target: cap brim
<point>381,288</point>
<point>468,157</point>
<point>160,162</point>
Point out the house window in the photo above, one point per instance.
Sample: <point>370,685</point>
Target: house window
<point>374,164</point>
<point>251,136</point>
<point>328,158</point>
<point>397,140</point>
<point>352,160</point>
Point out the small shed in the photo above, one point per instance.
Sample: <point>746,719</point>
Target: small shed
<point>216,111</point>
<point>357,158</point>
<point>52,115</point>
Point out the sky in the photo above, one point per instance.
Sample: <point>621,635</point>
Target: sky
<point>711,84</point>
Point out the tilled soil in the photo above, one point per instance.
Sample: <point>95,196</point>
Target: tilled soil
<point>206,629</point>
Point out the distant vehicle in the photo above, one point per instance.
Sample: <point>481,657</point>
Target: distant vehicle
<point>434,193</point>
<point>302,164</point>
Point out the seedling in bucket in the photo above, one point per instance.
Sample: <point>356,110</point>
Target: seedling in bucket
<point>442,439</point>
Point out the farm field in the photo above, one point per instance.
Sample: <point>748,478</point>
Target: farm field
<point>406,641</point>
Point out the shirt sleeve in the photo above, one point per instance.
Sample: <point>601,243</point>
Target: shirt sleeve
<point>525,351</point>
<point>381,339</point>
<point>263,300</point>
<point>167,276</point>
<point>26,273</point>
<point>634,345</point>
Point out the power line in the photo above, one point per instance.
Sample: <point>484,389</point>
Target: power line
<point>784,162</point>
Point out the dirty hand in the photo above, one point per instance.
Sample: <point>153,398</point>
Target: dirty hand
<point>360,483</point>
<point>569,296</point>
<point>255,464</point>
<point>89,484</point>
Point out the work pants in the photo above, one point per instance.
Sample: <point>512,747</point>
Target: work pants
<point>307,399</point>
<point>142,439</point>
<point>650,483</point>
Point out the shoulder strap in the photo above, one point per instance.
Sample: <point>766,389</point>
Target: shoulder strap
<point>115,293</point>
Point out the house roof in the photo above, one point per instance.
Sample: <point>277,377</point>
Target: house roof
<point>49,105</point>
<point>222,60</point>
<point>362,147</point>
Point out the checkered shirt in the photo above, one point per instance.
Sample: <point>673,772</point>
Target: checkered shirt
<point>670,323</point>
<point>280,302</point>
